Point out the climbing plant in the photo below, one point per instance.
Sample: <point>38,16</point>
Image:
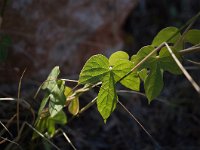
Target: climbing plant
<point>148,66</point>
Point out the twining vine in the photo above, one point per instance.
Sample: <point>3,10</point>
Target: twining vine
<point>148,66</point>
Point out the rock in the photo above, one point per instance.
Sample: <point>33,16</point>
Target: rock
<point>65,33</point>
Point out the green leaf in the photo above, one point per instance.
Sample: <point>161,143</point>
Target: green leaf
<point>51,82</point>
<point>133,58</point>
<point>59,118</point>
<point>57,98</point>
<point>40,125</point>
<point>141,54</point>
<point>48,123</point>
<point>74,106</point>
<point>50,127</point>
<point>143,74</point>
<point>166,34</point>
<point>43,103</point>
<point>107,97</point>
<point>55,93</point>
<point>94,70</point>
<point>167,63</point>
<point>115,57</point>
<point>122,68</point>
<point>153,83</point>
<point>68,91</point>
<point>132,81</point>
<point>193,36</point>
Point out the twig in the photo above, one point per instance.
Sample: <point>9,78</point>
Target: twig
<point>69,80</point>
<point>143,60</point>
<point>133,69</point>
<point>67,138</point>
<point>38,90</point>
<point>143,128</point>
<point>8,122</point>
<point>194,62</point>
<point>189,50</point>
<point>193,19</point>
<point>184,33</point>
<point>18,96</point>
<point>187,75</point>
<point>40,134</point>
<point>21,101</point>
<point>84,109</point>
<point>6,139</point>
<point>5,129</point>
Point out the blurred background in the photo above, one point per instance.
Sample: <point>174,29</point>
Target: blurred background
<point>44,33</point>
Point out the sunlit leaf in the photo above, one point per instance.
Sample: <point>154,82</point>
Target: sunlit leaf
<point>141,54</point>
<point>107,97</point>
<point>166,34</point>
<point>57,98</point>
<point>68,91</point>
<point>117,56</point>
<point>122,68</point>
<point>132,81</point>
<point>51,82</point>
<point>94,70</point>
<point>74,106</point>
<point>43,103</point>
<point>193,36</point>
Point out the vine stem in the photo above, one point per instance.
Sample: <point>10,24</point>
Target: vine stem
<point>18,99</point>
<point>190,50</point>
<point>40,134</point>
<point>84,109</point>
<point>5,129</point>
<point>143,60</point>
<point>67,138</point>
<point>23,102</point>
<point>187,75</point>
<point>133,69</point>
<point>6,139</point>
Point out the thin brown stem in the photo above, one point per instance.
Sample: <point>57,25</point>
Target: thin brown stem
<point>84,109</point>
<point>190,50</point>
<point>143,60</point>
<point>18,99</point>
<point>67,138</point>
<point>187,75</point>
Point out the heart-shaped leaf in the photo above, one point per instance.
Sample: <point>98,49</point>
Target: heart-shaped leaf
<point>94,70</point>
<point>107,97</point>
